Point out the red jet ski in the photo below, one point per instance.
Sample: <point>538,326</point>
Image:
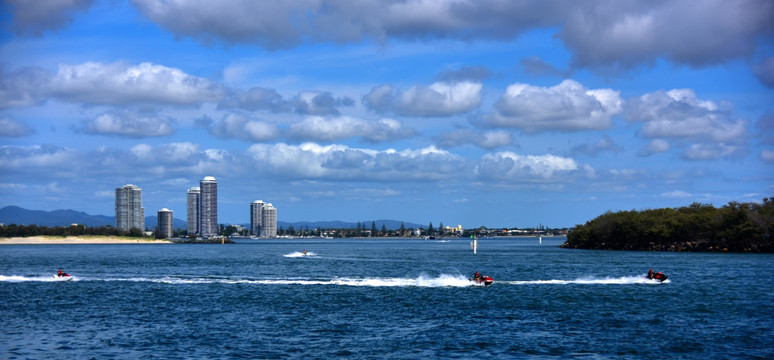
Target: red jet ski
<point>657,276</point>
<point>484,279</point>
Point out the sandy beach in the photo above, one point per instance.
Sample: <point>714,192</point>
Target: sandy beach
<point>78,240</point>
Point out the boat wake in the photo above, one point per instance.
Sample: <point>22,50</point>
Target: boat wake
<point>42,278</point>
<point>443,280</point>
<point>624,280</point>
<point>298,254</point>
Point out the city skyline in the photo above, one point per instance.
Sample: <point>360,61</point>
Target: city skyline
<point>479,113</point>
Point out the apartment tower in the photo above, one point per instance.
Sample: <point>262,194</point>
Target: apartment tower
<point>165,226</point>
<point>193,211</point>
<point>269,221</point>
<point>129,211</point>
<point>256,217</point>
<point>208,209</point>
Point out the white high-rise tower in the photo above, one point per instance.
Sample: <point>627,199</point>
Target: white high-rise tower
<point>129,211</point>
<point>194,201</point>
<point>208,210</point>
<point>256,217</point>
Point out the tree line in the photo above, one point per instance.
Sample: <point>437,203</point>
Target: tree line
<point>735,227</point>
<point>14,230</point>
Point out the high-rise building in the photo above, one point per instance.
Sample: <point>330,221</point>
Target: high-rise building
<point>208,209</point>
<point>165,226</point>
<point>129,211</point>
<point>193,211</point>
<point>269,221</point>
<point>256,217</point>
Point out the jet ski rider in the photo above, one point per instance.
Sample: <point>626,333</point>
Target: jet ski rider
<point>476,276</point>
<point>650,274</point>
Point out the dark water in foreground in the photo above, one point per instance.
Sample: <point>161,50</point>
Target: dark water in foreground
<point>381,299</point>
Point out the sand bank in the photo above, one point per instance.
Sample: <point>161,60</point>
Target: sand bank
<point>78,240</point>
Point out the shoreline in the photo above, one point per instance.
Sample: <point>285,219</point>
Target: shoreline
<point>70,240</point>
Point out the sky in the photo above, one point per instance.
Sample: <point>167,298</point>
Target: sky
<point>474,112</point>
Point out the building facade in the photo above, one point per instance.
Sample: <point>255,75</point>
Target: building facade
<point>129,211</point>
<point>208,209</point>
<point>165,227</point>
<point>269,221</point>
<point>193,205</point>
<point>256,217</point>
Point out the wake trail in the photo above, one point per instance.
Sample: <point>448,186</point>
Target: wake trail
<point>624,280</point>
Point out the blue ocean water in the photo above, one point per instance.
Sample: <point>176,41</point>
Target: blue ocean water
<point>385,298</point>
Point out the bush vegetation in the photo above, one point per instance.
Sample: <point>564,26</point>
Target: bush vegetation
<point>735,227</point>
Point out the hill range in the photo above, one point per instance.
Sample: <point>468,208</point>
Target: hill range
<point>21,216</point>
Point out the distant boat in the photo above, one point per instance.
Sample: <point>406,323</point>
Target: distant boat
<point>430,237</point>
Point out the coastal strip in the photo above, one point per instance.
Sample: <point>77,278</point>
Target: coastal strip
<point>69,240</point>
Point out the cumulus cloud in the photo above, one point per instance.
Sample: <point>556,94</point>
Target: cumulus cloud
<point>767,155</point>
<point>604,144</point>
<point>317,128</point>
<point>12,128</point>
<point>680,115</point>
<point>23,87</point>
<point>129,124</point>
<point>34,159</point>
<point>438,99</point>
<point>33,18</point>
<point>600,35</point>
<point>319,103</point>
<point>122,84</point>
<point>509,166</point>
<point>565,107</point>
<point>622,35</point>
<point>654,147</point>
<point>254,99</point>
<point>234,126</point>
<point>485,140</point>
<point>341,162</point>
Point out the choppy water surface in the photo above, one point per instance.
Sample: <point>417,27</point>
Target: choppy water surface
<point>397,298</point>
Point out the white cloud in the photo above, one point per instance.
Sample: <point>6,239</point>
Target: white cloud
<point>36,158</point>
<point>314,161</point>
<point>12,128</point>
<point>676,194</point>
<point>680,115</point>
<point>317,128</point>
<point>23,87</point>
<point>255,98</point>
<point>514,167</point>
<point>654,147</point>
<point>129,124</point>
<point>565,107</point>
<point>438,99</point>
<point>484,140</point>
<point>600,35</point>
<point>234,126</point>
<point>767,155</point>
<point>319,103</point>
<point>124,84</point>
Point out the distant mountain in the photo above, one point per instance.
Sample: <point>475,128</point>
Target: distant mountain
<point>21,216</point>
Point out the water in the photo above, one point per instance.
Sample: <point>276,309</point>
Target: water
<point>387,299</point>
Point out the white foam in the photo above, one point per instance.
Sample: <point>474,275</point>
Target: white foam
<point>297,254</point>
<point>42,278</point>
<point>591,280</point>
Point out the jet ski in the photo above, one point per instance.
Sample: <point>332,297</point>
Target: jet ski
<point>484,279</point>
<point>63,277</point>
<point>657,276</point>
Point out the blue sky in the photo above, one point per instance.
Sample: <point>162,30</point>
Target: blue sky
<point>493,113</point>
